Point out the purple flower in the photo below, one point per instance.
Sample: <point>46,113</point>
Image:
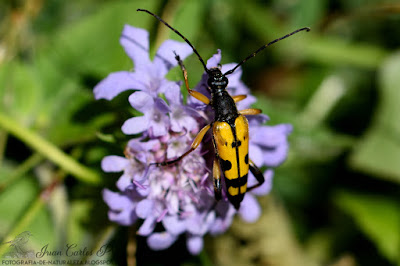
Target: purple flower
<point>148,76</point>
<point>180,196</point>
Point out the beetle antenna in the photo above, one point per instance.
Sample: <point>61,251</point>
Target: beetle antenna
<point>177,32</point>
<point>262,48</point>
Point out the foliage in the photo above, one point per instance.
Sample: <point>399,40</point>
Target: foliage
<point>335,200</point>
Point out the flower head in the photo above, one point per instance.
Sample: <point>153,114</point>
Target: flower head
<point>180,196</point>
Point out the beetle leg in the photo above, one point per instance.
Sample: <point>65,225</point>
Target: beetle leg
<point>257,174</point>
<point>195,144</point>
<point>240,97</point>
<point>251,111</point>
<point>199,96</point>
<point>217,179</point>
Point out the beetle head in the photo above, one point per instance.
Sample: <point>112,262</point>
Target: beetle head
<point>216,80</point>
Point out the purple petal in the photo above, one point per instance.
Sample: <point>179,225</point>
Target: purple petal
<point>177,146</point>
<point>116,201</point>
<point>165,55</point>
<point>270,136</point>
<point>160,241</point>
<point>181,119</point>
<point>136,44</point>
<point>165,85</point>
<point>173,94</point>
<point>159,123</point>
<point>135,125</point>
<point>234,78</point>
<point>114,163</point>
<point>124,182</point>
<point>141,101</point>
<point>273,142</point>
<point>195,244</point>
<point>144,192</point>
<point>144,208</point>
<point>114,84</point>
<point>266,187</point>
<point>122,218</point>
<point>226,212</point>
<point>246,103</point>
<point>174,225</point>
<point>147,227</point>
<point>200,223</point>
<point>250,210</point>
<point>121,208</point>
<point>161,105</point>
<point>139,146</point>
<point>237,88</point>
<point>173,202</point>
<point>257,155</point>
<point>214,60</point>
<point>255,121</point>
<point>277,155</point>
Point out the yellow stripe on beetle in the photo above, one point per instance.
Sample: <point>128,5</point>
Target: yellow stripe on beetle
<point>223,137</point>
<point>242,134</point>
<point>233,151</point>
<point>233,191</point>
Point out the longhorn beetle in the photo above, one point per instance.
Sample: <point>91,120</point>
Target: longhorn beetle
<point>230,129</point>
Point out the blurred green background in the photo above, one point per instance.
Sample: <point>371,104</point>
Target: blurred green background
<point>335,201</point>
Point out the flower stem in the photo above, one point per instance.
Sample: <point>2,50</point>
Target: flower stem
<point>102,241</point>
<point>20,170</point>
<point>49,151</point>
<point>168,14</point>
<point>22,223</point>
<point>322,102</point>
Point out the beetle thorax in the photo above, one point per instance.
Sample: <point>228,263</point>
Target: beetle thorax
<point>222,103</point>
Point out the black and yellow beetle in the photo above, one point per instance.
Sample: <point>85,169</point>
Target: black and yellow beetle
<point>230,129</point>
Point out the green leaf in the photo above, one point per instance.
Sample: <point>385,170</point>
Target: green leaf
<point>78,217</point>
<point>378,152</point>
<point>310,46</point>
<point>377,216</point>
<point>193,12</point>
<point>15,199</point>
<point>49,150</point>
<point>308,13</point>
<point>91,46</point>
<point>22,210</point>
<point>20,91</point>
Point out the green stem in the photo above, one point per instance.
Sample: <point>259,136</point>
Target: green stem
<point>168,14</point>
<point>49,151</point>
<point>21,169</point>
<point>322,102</point>
<point>23,223</point>
<point>103,239</point>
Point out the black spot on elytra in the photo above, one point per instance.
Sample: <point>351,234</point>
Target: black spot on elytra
<point>226,143</point>
<point>236,144</point>
<point>226,165</point>
<point>246,159</point>
<point>237,182</point>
